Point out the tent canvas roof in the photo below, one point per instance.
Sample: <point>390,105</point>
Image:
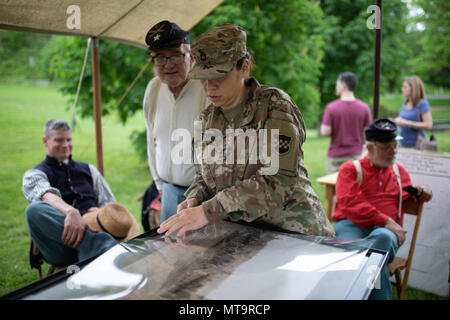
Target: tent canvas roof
<point>119,20</point>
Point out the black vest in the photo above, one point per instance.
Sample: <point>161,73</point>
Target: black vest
<point>74,182</point>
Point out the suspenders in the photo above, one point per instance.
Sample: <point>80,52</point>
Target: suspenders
<point>357,165</point>
<point>154,105</point>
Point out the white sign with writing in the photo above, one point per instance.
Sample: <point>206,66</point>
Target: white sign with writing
<point>430,266</point>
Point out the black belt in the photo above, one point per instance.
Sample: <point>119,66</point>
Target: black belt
<point>176,185</point>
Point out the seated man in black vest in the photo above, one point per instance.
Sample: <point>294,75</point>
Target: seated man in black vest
<point>60,191</point>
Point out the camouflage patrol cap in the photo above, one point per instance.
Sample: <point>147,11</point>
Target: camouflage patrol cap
<point>166,34</point>
<point>216,52</point>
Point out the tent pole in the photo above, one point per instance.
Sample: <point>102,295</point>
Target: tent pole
<point>97,99</point>
<point>377,64</point>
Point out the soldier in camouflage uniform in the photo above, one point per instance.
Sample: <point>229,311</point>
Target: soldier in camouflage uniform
<point>235,190</point>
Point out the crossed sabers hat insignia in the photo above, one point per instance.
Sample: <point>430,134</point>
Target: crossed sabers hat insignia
<point>155,33</point>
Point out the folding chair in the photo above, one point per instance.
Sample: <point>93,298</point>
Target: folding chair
<point>413,207</point>
<point>36,261</point>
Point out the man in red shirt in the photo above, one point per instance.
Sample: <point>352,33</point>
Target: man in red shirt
<point>367,203</point>
<point>344,120</point>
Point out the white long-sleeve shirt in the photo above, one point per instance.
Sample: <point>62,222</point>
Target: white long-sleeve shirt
<point>170,114</point>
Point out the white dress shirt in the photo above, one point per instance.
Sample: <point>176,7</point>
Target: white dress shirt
<point>170,114</point>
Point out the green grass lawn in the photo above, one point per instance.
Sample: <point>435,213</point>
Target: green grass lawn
<point>23,112</point>
<point>390,107</point>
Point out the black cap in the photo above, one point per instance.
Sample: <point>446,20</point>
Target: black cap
<point>166,34</point>
<point>383,130</point>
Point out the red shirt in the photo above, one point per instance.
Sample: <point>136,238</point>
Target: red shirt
<point>376,200</point>
<point>347,120</point>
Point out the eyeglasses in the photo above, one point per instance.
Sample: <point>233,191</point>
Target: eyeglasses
<point>175,59</point>
<point>387,146</point>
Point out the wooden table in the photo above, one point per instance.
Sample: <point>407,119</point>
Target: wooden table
<point>329,181</point>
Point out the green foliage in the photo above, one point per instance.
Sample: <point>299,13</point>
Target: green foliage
<point>284,37</point>
<point>17,50</point>
<point>350,46</point>
<point>119,65</point>
<point>139,140</point>
<point>431,57</point>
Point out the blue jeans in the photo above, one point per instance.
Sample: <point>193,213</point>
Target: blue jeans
<point>378,238</point>
<point>46,225</point>
<point>172,196</point>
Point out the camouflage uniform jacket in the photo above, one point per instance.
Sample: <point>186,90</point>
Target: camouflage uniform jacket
<point>239,191</point>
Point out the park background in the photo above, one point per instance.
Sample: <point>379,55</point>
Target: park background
<point>299,46</point>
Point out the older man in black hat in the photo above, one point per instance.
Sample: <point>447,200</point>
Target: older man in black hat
<point>368,197</point>
<point>172,101</point>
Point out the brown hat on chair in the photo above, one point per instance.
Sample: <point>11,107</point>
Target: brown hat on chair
<point>115,219</point>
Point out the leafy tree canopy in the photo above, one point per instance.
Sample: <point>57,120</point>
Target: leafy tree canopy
<point>119,65</point>
<point>350,46</point>
<point>22,57</point>
<point>431,57</point>
<point>285,39</point>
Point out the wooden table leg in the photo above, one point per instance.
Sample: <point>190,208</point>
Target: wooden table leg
<point>329,194</point>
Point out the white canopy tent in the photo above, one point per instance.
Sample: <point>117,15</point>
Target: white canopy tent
<point>126,21</point>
